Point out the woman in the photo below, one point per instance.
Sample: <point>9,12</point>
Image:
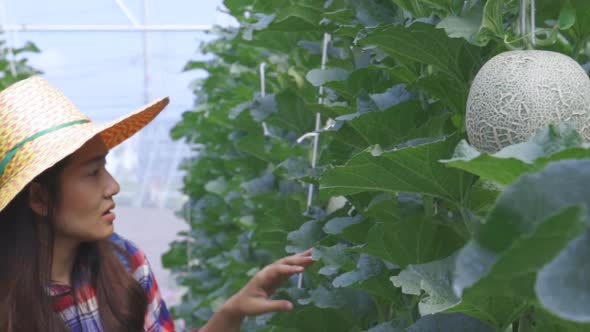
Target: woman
<point>62,266</point>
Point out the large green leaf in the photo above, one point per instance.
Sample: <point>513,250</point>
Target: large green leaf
<point>482,275</point>
<point>367,267</point>
<point>401,205</point>
<point>549,144</point>
<point>435,279</point>
<point>291,114</point>
<point>414,240</point>
<point>305,237</point>
<point>492,25</point>
<point>425,44</point>
<point>562,285</point>
<point>534,198</point>
<point>449,322</point>
<point>314,319</point>
<point>297,17</point>
<point>373,79</point>
<point>410,169</point>
<point>387,128</point>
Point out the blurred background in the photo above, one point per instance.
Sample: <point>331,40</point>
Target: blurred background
<point>111,57</point>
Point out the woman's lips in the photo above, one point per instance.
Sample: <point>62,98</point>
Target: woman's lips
<point>108,216</point>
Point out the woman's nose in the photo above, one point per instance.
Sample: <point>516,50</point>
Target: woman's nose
<point>113,186</point>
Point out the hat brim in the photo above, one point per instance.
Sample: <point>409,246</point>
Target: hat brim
<point>58,145</point>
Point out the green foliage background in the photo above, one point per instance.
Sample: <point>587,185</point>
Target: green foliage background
<point>412,228</point>
<point>14,66</point>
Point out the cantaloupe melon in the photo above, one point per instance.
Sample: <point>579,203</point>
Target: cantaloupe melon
<point>517,92</point>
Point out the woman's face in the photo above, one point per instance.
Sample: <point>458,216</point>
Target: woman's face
<point>87,191</point>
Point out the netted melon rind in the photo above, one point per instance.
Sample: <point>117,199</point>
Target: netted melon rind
<point>517,92</point>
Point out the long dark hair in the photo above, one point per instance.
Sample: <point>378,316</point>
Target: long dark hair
<point>26,249</point>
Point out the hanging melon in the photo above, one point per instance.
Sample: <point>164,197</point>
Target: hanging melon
<point>517,92</point>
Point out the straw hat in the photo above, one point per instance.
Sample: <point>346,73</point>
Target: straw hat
<point>39,126</point>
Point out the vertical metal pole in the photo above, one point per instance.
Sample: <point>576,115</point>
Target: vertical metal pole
<point>189,247</point>
<point>146,99</point>
<point>173,168</point>
<point>10,57</point>
<point>146,64</point>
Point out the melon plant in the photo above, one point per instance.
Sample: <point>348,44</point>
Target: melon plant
<point>413,229</point>
<point>518,92</point>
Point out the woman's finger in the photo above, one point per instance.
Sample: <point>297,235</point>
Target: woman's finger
<point>274,271</point>
<point>305,253</point>
<point>296,260</point>
<point>262,306</point>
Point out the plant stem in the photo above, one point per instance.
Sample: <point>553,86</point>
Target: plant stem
<point>526,322</point>
<point>428,206</point>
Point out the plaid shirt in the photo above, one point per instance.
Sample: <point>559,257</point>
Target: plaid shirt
<point>85,318</point>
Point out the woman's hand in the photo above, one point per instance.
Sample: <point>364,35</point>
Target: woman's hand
<point>255,298</point>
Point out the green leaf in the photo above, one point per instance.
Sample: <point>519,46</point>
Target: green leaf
<point>305,237</point>
<point>367,267</point>
<point>567,16</point>
<point>298,17</point>
<point>28,47</point>
<point>414,240</point>
<point>412,169</point>
<point>412,6</point>
<point>319,77</point>
<point>175,256</point>
<point>449,322</point>
<point>339,224</point>
<point>492,24</point>
<point>334,258</point>
<point>217,186</point>
<point>292,114</point>
<point>383,207</point>
<point>562,285</point>
<point>482,197</point>
<point>373,79</point>
<point>334,298</point>
<point>549,144</point>
<point>313,319</point>
<point>380,288</point>
<point>271,231</point>
<point>375,12</point>
<point>547,322</point>
<point>508,276</point>
<point>534,198</point>
<point>435,279</point>
<point>425,44</point>
<point>260,185</point>
<point>443,88</point>
<point>391,326</point>
<point>387,128</point>
<point>461,26</point>
<point>340,15</point>
<point>351,229</point>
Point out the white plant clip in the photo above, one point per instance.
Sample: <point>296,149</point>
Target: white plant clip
<point>265,130</point>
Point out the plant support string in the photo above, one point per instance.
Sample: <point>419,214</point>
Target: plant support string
<point>315,134</point>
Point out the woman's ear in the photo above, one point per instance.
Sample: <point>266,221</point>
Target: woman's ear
<point>38,199</point>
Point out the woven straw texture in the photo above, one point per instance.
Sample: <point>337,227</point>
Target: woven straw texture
<point>33,105</point>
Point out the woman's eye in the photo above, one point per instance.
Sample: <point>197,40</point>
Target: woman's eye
<point>95,172</point>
